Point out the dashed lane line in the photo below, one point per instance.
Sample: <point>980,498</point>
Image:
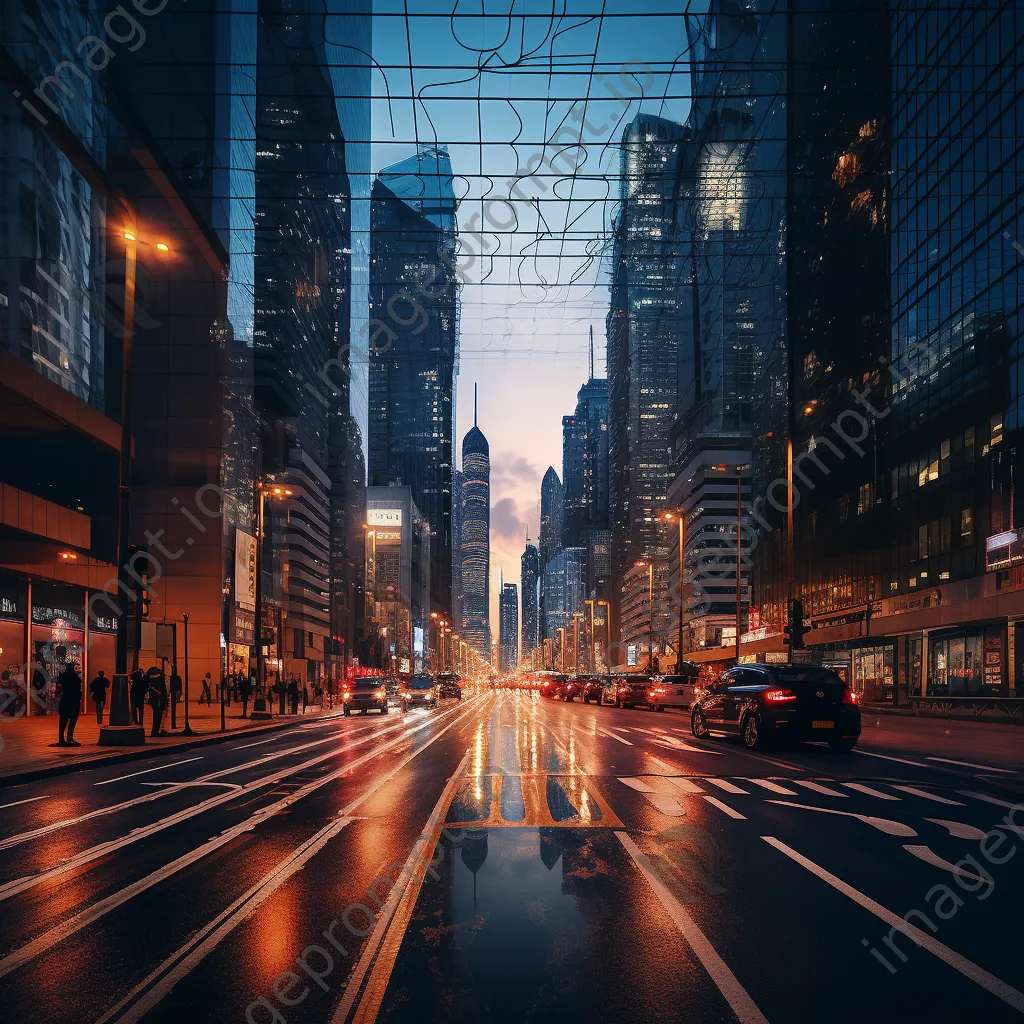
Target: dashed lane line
<point>967,968</point>
<point>743,1006</point>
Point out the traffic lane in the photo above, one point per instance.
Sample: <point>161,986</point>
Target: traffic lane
<point>336,892</point>
<point>187,901</point>
<point>636,733</point>
<point>546,924</point>
<point>150,806</point>
<point>101,871</point>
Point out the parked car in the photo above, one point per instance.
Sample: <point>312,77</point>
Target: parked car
<point>567,688</point>
<point>448,685</point>
<point>367,694</point>
<point>421,692</point>
<point>547,682</point>
<point>764,703</point>
<point>675,691</point>
<point>591,689</point>
<point>628,691</point>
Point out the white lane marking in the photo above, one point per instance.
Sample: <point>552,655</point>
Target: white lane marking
<point>977,974</point>
<point>48,939</point>
<point>729,787</point>
<point>929,856</point>
<point>725,808</point>
<point>666,804</point>
<point>886,825</point>
<point>27,800</point>
<point>637,784</point>
<point>968,764</point>
<point>673,744</point>
<point>958,830</point>
<point>816,787</point>
<point>868,791</point>
<point>887,757</point>
<point>986,798</point>
<point>375,960</point>
<point>104,849</point>
<point>736,995</point>
<point>612,736</point>
<point>685,785</point>
<point>189,785</point>
<point>925,795</point>
<point>158,768</point>
<point>184,959</point>
<point>774,787</point>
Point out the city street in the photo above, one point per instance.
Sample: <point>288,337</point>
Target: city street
<point>508,858</point>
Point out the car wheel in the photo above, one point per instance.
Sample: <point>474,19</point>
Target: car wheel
<point>384,710</point>
<point>699,724</point>
<point>661,707</point>
<point>751,732</point>
<point>843,743</point>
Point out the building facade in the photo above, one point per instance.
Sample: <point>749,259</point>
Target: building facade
<point>508,649</point>
<point>552,514</point>
<point>529,588</point>
<point>476,542</point>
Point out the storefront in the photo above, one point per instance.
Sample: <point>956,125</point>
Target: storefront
<point>873,671</point>
<point>968,663</point>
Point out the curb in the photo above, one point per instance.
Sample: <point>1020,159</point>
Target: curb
<point>141,753</point>
<point>885,709</point>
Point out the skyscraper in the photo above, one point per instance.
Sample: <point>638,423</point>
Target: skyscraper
<point>414,328</point>
<point>529,583</point>
<point>552,509</point>
<point>508,612</point>
<point>476,539</point>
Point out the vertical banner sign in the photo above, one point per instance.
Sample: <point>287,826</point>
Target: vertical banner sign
<point>245,571</point>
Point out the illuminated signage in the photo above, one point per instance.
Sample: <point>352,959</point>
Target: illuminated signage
<point>1003,550</point>
<point>383,517</point>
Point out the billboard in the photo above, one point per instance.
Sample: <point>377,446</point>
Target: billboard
<point>384,517</point>
<point>245,571</point>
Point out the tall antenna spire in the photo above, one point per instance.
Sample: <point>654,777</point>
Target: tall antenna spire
<point>474,403</point>
<point>591,351</point>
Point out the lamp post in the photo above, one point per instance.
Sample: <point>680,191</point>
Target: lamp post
<point>187,731</point>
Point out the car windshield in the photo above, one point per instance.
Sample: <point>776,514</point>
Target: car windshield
<point>367,684</point>
<point>421,683</point>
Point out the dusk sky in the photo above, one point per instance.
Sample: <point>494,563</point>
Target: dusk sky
<point>491,88</point>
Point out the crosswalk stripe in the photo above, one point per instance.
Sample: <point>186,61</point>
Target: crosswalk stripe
<point>640,787</point>
<point>729,787</point>
<point>925,795</point>
<point>725,808</point>
<point>818,788</point>
<point>666,804</point>
<point>958,830</point>
<point>868,791</point>
<point>774,787</point>
<point>685,785</point>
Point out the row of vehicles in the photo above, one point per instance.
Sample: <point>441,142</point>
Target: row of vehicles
<point>381,693</point>
<point>760,703</point>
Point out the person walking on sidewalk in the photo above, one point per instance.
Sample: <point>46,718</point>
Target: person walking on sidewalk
<point>69,683</point>
<point>282,691</point>
<point>98,692</point>
<point>137,696</point>
<point>245,691</point>
<point>207,692</point>
<point>157,698</point>
<point>175,695</point>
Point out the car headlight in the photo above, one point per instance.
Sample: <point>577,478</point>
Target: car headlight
<point>381,694</point>
<point>346,696</point>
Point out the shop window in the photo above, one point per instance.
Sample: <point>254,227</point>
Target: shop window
<point>967,523</point>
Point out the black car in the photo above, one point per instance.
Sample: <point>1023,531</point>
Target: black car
<point>448,685</point>
<point>367,694</point>
<point>762,703</point>
<point>420,692</point>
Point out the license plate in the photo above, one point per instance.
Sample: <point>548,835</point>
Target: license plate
<point>823,723</point>
<point>680,693</point>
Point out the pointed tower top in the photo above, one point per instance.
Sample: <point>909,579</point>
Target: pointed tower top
<point>474,403</point>
<point>591,351</point>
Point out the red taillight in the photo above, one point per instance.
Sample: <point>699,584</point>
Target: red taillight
<point>851,697</point>
<point>779,696</point>
<point>547,684</point>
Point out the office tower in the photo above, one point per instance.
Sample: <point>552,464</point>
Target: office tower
<point>529,585</point>
<point>476,539</point>
<point>564,580</point>
<point>552,509</point>
<point>414,332</point>
<point>457,606</point>
<point>303,236</point>
<point>643,327</point>
<point>508,657</point>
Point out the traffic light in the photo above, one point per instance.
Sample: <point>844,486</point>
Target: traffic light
<point>793,634</point>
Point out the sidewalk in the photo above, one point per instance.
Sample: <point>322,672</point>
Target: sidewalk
<point>953,715</point>
<point>26,750</point>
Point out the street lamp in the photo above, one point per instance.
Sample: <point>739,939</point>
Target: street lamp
<point>680,517</point>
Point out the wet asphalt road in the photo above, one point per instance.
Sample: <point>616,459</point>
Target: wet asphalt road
<point>511,859</point>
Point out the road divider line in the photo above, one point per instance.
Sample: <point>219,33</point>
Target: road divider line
<point>967,968</point>
<point>48,939</point>
<point>858,787</point>
<point>743,1006</point>
<point>147,771</point>
<point>369,979</point>
<point>725,808</point>
<point>925,795</point>
<point>968,764</point>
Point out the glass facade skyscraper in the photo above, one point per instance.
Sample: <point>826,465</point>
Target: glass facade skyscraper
<point>508,613</point>
<point>475,550</point>
<point>529,587</point>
